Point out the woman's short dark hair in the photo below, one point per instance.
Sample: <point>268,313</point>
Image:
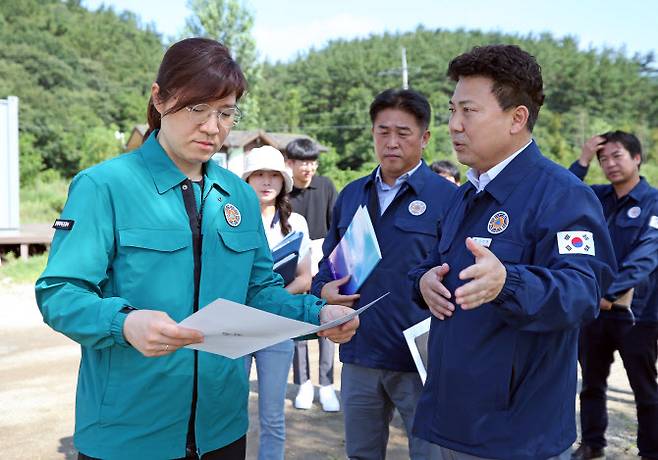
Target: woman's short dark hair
<point>195,70</point>
<point>515,73</point>
<point>407,100</point>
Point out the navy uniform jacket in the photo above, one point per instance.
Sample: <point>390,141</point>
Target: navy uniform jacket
<point>633,225</point>
<point>405,241</point>
<point>502,377</point>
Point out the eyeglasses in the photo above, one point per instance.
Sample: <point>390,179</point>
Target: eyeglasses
<point>306,163</point>
<point>200,114</point>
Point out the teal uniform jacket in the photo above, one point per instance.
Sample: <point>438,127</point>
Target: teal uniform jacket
<point>128,242</point>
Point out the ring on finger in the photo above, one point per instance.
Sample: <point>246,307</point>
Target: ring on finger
<point>165,348</point>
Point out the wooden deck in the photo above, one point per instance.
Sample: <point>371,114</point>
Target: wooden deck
<point>27,235</point>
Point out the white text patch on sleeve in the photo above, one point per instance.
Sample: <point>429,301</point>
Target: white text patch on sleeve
<point>575,242</point>
<point>653,222</point>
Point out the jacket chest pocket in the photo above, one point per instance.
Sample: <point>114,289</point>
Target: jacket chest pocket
<point>625,233</point>
<point>507,250</point>
<point>418,237</point>
<point>235,255</point>
<point>239,246</point>
<point>627,224</point>
<point>143,250</point>
<point>152,267</point>
<point>423,227</point>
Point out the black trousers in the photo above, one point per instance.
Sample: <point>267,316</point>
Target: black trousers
<point>237,450</point>
<point>638,348</point>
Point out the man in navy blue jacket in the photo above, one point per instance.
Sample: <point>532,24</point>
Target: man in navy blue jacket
<point>523,259</point>
<point>629,308</point>
<point>406,201</point>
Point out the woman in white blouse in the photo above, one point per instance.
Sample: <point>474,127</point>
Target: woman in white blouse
<point>267,174</point>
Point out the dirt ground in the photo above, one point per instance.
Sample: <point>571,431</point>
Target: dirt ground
<point>38,371</point>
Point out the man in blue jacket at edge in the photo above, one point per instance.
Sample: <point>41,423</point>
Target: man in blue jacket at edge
<point>406,201</point>
<point>629,308</point>
<point>523,258</point>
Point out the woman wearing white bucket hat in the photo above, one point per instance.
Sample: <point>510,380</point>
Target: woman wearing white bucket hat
<point>267,174</point>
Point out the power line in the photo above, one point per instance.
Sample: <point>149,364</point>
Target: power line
<point>404,70</point>
<point>313,128</point>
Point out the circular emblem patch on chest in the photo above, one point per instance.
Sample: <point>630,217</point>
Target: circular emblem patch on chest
<point>498,222</point>
<point>634,212</point>
<point>417,207</point>
<point>232,214</point>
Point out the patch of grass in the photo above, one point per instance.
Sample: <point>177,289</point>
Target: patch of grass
<point>19,271</point>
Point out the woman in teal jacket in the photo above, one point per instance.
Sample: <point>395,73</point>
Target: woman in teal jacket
<point>144,240</point>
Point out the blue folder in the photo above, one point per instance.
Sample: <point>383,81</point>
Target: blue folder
<point>356,254</point>
<point>285,256</point>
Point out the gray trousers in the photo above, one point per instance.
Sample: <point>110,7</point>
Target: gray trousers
<point>300,367</point>
<point>443,453</point>
<point>369,397</point>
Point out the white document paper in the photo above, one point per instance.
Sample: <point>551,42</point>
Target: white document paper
<point>233,330</point>
<point>416,337</point>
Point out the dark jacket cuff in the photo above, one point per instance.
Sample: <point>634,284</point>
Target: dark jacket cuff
<point>512,282</point>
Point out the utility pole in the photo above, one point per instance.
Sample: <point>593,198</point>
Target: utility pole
<point>405,69</point>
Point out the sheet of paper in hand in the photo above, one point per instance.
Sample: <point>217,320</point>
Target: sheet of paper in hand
<point>233,330</point>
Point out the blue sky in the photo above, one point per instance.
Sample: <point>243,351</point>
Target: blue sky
<point>283,29</point>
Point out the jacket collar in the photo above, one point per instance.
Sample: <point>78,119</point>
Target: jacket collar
<point>636,194</point>
<point>166,174</point>
<point>640,190</point>
<point>416,181</point>
<point>505,182</point>
<point>217,176</point>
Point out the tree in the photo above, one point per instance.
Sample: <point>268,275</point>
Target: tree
<point>81,75</point>
<point>75,71</point>
<point>230,22</point>
<point>99,144</point>
<point>587,91</point>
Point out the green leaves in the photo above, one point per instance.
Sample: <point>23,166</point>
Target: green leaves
<point>83,75</point>
<point>329,91</point>
<point>78,75</point>
<point>230,22</point>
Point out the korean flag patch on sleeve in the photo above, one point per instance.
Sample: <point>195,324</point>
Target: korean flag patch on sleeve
<point>575,242</point>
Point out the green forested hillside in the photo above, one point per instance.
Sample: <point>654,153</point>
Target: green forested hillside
<point>81,76</point>
<point>327,92</point>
